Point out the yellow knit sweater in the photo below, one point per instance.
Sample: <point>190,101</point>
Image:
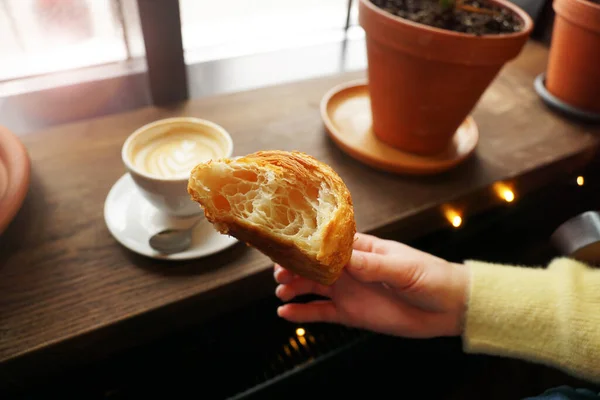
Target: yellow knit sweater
<point>549,316</point>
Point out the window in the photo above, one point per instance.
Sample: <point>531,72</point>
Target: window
<point>43,36</point>
<point>221,29</point>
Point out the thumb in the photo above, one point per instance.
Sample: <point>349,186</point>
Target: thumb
<point>371,267</point>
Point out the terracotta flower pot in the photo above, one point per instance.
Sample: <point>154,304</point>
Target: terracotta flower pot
<point>573,73</point>
<point>424,81</point>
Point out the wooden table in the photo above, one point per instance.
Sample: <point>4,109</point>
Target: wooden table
<point>69,292</point>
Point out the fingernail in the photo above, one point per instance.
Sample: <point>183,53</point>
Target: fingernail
<point>278,291</point>
<point>279,311</point>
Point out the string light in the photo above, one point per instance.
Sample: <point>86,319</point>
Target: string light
<point>508,195</point>
<point>456,221</point>
<point>300,332</point>
<point>453,217</point>
<point>580,181</point>
<point>504,192</point>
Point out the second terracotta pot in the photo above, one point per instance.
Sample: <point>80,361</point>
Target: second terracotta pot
<point>574,62</point>
<point>424,81</point>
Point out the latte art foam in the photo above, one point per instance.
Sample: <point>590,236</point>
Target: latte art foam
<point>173,155</point>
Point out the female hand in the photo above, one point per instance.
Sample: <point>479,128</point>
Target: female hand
<point>387,287</point>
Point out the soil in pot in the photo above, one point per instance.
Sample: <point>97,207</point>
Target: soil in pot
<point>468,16</point>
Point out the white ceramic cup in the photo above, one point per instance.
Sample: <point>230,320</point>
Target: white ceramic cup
<point>169,194</point>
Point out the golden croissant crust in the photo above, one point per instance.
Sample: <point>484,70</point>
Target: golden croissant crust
<point>288,205</point>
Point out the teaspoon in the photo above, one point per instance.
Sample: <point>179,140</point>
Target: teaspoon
<point>171,241</point>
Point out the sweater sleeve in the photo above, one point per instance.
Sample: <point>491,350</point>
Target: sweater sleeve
<point>549,316</point>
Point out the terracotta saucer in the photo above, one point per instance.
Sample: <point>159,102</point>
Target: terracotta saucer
<point>14,176</point>
<point>346,113</point>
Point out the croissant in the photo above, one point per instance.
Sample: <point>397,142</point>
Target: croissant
<point>288,205</point>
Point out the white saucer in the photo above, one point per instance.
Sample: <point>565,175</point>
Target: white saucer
<point>131,219</point>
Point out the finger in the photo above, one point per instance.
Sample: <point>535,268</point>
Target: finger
<point>300,286</point>
<point>363,242</point>
<point>277,267</point>
<point>315,311</point>
<point>282,275</point>
<point>370,244</point>
<point>372,267</point>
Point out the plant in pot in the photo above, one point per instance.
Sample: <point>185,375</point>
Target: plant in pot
<point>573,72</point>
<point>429,62</point>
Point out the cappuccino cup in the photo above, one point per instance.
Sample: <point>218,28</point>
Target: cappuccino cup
<point>159,157</point>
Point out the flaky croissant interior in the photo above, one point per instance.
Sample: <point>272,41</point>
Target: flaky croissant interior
<point>298,213</point>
